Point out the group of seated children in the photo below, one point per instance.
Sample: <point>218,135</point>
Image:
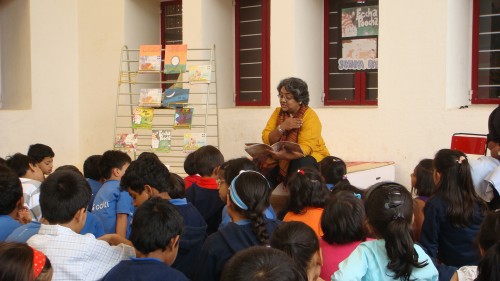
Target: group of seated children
<point>135,220</point>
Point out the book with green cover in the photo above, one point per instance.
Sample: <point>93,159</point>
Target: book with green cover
<point>143,118</point>
<point>161,141</point>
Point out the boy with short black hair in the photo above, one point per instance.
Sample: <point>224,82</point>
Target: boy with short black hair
<point>31,177</point>
<point>148,177</point>
<point>204,194</point>
<point>43,155</point>
<point>112,206</point>
<point>64,199</point>
<point>190,169</point>
<point>156,229</point>
<point>11,201</point>
<point>93,175</point>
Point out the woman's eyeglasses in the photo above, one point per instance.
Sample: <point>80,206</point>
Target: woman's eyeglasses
<point>286,98</point>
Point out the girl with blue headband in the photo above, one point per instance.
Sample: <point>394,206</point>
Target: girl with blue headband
<point>248,198</point>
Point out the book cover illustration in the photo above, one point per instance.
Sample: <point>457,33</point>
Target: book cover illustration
<point>183,117</point>
<point>150,97</point>
<point>143,118</point>
<point>149,58</point>
<point>126,142</point>
<point>359,21</point>
<point>161,140</point>
<point>193,141</point>
<point>175,97</point>
<point>175,59</point>
<point>200,74</point>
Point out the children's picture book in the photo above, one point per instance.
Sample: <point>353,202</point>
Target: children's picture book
<point>150,97</point>
<point>143,118</point>
<point>257,150</point>
<point>193,141</point>
<point>126,142</point>
<point>149,58</point>
<point>160,140</point>
<point>183,117</point>
<point>200,74</point>
<point>175,59</point>
<point>175,97</point>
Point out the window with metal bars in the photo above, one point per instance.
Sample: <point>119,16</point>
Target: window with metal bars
<point>252,52</point>
<point>351,40</point>
<point>171,31</point>
<point>486,52</point>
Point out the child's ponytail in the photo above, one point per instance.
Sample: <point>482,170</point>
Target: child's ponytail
<point>259,227</point>
<point>389,210</point>
<point>400,250</point>
<point>250,192</point>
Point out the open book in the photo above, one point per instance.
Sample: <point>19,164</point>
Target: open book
<point>257,150</point>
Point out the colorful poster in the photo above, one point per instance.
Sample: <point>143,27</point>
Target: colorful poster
<point>183,117</point>
<point>161,140</point>
<point>360,21</point>
<point>175,59</point>
<point>193,141</point>
<point>149,58</point>
<point>359,54</point>
<point>127,142</point>
<point>143,118</point>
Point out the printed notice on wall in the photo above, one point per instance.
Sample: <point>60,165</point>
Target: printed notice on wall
<point>359,38</point>
<point>360,21</point>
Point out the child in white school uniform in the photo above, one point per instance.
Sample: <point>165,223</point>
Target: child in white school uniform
<point>64,197</point>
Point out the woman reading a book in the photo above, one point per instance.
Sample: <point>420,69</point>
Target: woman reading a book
<point>294,121</point>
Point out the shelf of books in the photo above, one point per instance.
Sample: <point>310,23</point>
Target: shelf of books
<point>166,102</point>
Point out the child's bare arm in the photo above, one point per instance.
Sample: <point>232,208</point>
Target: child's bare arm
<point>121,224</point>
<point>115,239</point>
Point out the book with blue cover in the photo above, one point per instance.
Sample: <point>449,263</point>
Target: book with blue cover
<point>175,97</point>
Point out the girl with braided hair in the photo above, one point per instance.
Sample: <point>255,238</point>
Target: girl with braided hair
<point>248,198</point>
<point>393,256</point>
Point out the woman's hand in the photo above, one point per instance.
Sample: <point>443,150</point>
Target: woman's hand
<point>291,123</point>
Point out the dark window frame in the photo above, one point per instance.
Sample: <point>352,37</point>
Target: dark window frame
<point>475,83</point>
<point>264,57</point>
<point>164,6</point>
<point>359,78</point>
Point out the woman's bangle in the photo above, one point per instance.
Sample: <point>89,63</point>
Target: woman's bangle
<point>281,130</point>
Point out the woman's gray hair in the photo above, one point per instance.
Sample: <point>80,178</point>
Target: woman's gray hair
<point>297,87</point>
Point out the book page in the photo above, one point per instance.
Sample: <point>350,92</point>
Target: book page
<point>257,150</point>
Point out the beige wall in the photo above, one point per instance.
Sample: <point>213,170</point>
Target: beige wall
<point>15,57</point>
<point>423,77</point>
<point>53,116</point>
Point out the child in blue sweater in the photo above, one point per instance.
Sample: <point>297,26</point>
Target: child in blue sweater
<point>454,214</point>
<point>148,177</point>
<point>155,235</point>
<point>112,206</point>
